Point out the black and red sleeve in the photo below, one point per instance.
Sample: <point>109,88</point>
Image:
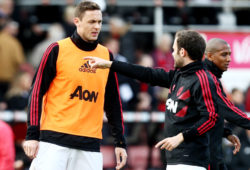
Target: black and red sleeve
<point>228,110</point>
<point>153,76</point>
<point>41,82</point>
<point>205,100</point>
<point>113,109</point>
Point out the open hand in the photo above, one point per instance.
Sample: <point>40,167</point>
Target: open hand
<point>170,143</point>
<point>121,157</point>
<point>31,148</point>
<point>236,142</point>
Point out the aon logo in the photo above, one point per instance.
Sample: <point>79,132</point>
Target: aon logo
<point>172,105</point>
<point>84,94</point>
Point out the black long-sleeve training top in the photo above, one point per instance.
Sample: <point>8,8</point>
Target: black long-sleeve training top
<point>226,110</point>
<point>190,108</point>
<point>43,80</point>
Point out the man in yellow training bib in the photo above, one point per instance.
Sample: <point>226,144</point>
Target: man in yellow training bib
<point>68,99</point>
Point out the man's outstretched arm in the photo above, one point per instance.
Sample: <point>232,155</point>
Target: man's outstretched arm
<point>155,77</point>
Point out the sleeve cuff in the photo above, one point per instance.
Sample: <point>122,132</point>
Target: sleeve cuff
<point>114,65</point>
<point>121,143</point>
<point>189,134</point>
<point>227,132</point>
<point>33,133</point>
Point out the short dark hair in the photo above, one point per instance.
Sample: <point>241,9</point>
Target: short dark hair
<point>192,42</point>
<point>84,6</point>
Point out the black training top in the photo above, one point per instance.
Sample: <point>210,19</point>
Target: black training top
<point>225,110</point>
<point>190,108</point>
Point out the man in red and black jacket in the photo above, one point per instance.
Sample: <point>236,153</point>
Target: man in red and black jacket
<point>191,108</point>
<point>217,61</point>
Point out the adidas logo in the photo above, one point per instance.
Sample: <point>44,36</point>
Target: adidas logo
<point>86,68</point>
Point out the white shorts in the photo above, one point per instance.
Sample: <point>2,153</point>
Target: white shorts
<point>55,157</point>
<point>184,167</point>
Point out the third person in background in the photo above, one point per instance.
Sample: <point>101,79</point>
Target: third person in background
<point>218,57</point>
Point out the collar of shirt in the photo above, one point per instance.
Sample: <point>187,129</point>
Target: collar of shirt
<point>83,45</point>
<point>213,68</point>
<point>191,68</point>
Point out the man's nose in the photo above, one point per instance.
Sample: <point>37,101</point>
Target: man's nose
<point>98,26</point>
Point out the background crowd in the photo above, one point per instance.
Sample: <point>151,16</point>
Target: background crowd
<point>28,29</point>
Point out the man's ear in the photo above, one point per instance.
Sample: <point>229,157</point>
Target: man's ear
<point>76,21</point>
<point>183,52</point>
<point>210,56</point>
